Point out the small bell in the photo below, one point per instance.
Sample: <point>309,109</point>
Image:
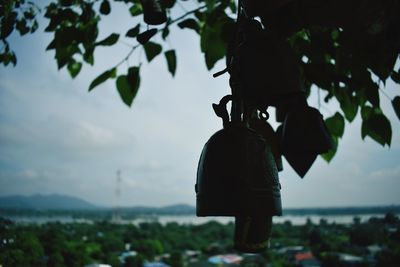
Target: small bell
<point>252,233</point>
<point>153,12</point>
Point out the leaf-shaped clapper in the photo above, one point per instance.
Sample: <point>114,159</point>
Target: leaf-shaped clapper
<point>396,105</point>
<point>144,37</point>
<point>128,85</point>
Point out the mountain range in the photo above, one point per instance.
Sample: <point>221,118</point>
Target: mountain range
<point>56,202</point>
<point>41,202</point>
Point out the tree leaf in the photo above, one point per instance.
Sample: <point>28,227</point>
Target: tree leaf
<point>128,85</point>
<point>165,33</point>
<point>335,124</point>
<point>378,127</point>
<point>348,103</point>
<point>328,156</point>
<point>74,68</point>
<point>372,94</point>
<point>212,45</point>
<point>102,78</point>
<point>152,50</point>
<point>171,61</point>
<point>135,10</point>
<point>110,40</point>
<point>21,27</point>
<point>167,3</point>
<point>366,112</point>
<point>7,25</point>
<point>105,7</point>
<point>395,76</point>
<point>144,37</point>
<point>396,105</point>
<point>133,32</point>
<point>64,54</point>
<point>189,24</point>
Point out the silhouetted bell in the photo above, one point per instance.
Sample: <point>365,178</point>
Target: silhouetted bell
<point>304,135</point>
<point>153,12</point>
<point>267,67</point>
<point>237,174</point>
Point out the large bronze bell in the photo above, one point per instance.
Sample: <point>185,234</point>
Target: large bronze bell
<point>237,176</point>
<point>267,67</point>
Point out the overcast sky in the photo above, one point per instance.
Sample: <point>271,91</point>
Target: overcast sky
<point>55,137</point>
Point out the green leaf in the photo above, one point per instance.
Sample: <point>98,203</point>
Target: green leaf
<point>165,33</point>
<point>366,112</point>
<point>171,61</point>
<point>396,105</point>
<point>378,127</point>
<point>167,3</point>
<point>133,32</point>
<point>212,45</point>
<point>105,7</point>
<point>348,103</point>
<point>395,76</point>
<point>64,54</point>
<point>102,78</point>
<point>328,156</point>
<point>21,27</point>
<point>189,24</point>
<point>135,10</point>
<point>144,37</point>
<point>232,6</point>
<point>74,68</point>
<point>110,40</point>
<point>7,25</point>
<point>372,94</point>
<point>335,124</point>
<point>128,85</point>
<point>152,50</point>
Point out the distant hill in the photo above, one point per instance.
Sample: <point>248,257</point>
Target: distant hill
<point>45,202</point>
<point>56,202</point>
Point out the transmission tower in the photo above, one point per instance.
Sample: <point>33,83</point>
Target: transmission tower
<point>116,218</point>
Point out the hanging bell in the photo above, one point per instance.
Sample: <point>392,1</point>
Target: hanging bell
<point>267,67</point>
<point>237,176</point>
<point>153,12</point>
<point>252,233</point>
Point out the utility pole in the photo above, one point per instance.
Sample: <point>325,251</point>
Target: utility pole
<point>116,218</point>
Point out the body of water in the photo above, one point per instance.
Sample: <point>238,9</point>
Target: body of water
<point>191,219</point>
